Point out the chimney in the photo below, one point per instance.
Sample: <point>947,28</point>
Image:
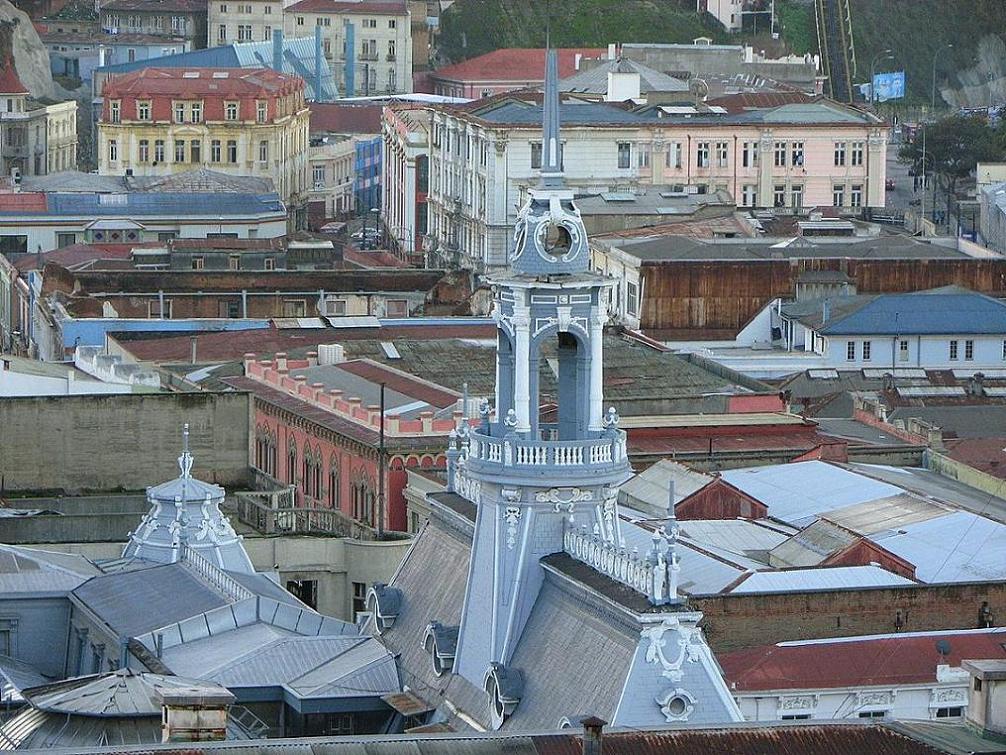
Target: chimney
<point>277,50</point>
<point>986,711</point>
<point>194,714</point>
<point>593,738</point>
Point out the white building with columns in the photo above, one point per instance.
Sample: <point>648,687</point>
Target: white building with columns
<point>406,179</point>
<point>798,155</point>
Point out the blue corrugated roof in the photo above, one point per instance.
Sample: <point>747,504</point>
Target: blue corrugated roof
<point>298,59</point>
<point>158,203</point>
<point>923,313</point>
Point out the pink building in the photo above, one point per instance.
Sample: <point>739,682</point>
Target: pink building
<point>506,70</point>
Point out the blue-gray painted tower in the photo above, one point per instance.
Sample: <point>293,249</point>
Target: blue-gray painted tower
<point>530,478</point>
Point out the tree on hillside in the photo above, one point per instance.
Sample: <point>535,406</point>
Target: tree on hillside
<point>952,147</point>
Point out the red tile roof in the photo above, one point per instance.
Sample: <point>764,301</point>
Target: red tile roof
<point>213,82</point>
<point>24,202</point>
<point>10,82</point>
<point>738,103</point>
<point>514,64</point>
<point>160,6</point>
<point>986,454</point>
<point>407,385</point>
<point>371,7</point>
<point>230,346</point>
<point>77,254</point>
<point>336,118</point>
<point>878,661</point>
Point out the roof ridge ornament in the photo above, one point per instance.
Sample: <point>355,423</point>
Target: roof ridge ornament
<point>185,460</point>
<point>551,162</point>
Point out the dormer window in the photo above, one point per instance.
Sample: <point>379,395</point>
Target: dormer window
<point>504,687</point>
<point>441,643</point>
<point>143,110</point>
<point>230,111</point>
<point>113,111</point>
<point>261,111</point>
<point>383,603</point>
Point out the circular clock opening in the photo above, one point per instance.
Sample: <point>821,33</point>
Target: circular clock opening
<point>557,240</point>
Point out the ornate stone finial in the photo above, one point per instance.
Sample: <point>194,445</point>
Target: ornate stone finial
<point>510,420</point>
<point>551,163</point>
<point>484,408</point>
<point>611,419</point>
<point>185,460</point>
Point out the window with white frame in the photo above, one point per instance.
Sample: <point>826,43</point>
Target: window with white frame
<point>263,151</point>
<point>113,150</point>
<point>796,195</point>
<point>624,155</point>
<point>722,154</point>
<point>969,350</point>
<point>702,155</point>
<point>779,196</point>
<point>953,350</point>
<point>902,350</point>
<point>749,155</point>
<point>643,155</point>
<point>856,195</point>
<point>143,110</point>
<point>179,112</point>
<point>839,154</point>
<point>857,154</point>
<point>113,111</point>
<point>318,175</point>
<point>780,154</point>
<point>748,195</point>
<point>838,195</point>
<point>796,154</point>
<point>673,156</point>
<point>631,298</point>
<point>850,351</point>
<point>144,151</point>
<point>867,349</point>
<point>230,111</point>
<point>196,112</point>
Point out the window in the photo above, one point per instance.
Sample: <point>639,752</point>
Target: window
<point>796,196</point>
<point>333,483</point>
<point>263,151</point>
<point>215,151</point>
<point>244,33</point>
<point>955,712</point>
<point>144,152</point>
<point>335,307</point>
<point>748,195</point>
<point>232,151</point>
<point>234,262</point>
<point>261,111</point>
<point>195,151</point>
<point>850,351</point>
<point>359,598</point>
<point>268,12</point>
<point>902,350</point>
<point>631,298</point>
<point>391,50</point>
<point>838,195</point>
<point>780,154</point>
<point>300,20</point>
<point>179,150</point>
<point>179,112</point>
<point>624,154</point>
<point>866,350</point>
<point>294,308</point>
<point>159,151</point>
<point>1004,350</point>
<point>196,112</point>
<point>143,111</point>
<point>63,239</point>
<point>198,263</point>
<point>222,33</point>
<point>722,153</point>
<point>318,175</point>
<point>977,684</point>
<point>969,350</point>
<point>839,153</point>
<point>230,111</point>
<point>270,263</point>
<point>392,23</point>
<point>155,312</point>
<point>536,155</point>
<point>779,196</point>
<point>857,153</point>
<point>749,157</point>
<point>873,714</point>
<point>643,155</point>
<point>131,55</point>
<point>305,590</point>
<point>797,154</point>
<point>397,308</point>
<point>795,717</point>
<point>673,159</point>
<point>223,8</point>
<point>113,150</point>
<point>702,155</point>
<point>113,111</point>
<point>953,350</point>
<point>856,195</point>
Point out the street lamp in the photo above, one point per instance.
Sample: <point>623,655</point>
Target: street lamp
<point>882,55</point>
<point>932,95</point>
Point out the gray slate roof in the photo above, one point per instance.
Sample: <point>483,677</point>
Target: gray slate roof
<point>27,570</point>
<point>595,80</point>
<point>135,602</point>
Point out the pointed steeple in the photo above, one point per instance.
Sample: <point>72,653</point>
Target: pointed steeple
<point>551,158</point>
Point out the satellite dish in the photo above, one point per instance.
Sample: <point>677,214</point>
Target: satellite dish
<point>943,647</point>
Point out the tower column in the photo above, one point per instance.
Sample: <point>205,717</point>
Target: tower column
<point>522,366</point>
<point>596,369</point>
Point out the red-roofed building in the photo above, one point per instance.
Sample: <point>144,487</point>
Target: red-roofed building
<point>505,70</point>
<point>242,121</point>
<point>905,676</point>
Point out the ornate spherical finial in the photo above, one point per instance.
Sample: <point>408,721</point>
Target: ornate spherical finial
<point>511,418</point>
<point>612,418</point>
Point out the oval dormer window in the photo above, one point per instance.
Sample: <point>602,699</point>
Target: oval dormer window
<point>557,240</point>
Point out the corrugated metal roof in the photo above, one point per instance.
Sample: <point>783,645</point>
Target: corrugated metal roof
<point>142,204</point>
<point>797,493</point>
<point>830,578</point>
<point>648,491</point>
<point>923,313</point>
<point>16,676</point>
<point>957,547</point>
<point>27,570</point>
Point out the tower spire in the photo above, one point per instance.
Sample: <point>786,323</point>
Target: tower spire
<point>551,163</point>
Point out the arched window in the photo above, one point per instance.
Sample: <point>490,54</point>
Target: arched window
<point>316,473</point>
<point>291,464</point>
<point>333,482</point>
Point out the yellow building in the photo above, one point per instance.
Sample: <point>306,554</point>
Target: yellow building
<point>246,122</point>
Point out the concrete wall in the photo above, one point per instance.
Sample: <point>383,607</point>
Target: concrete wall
<point>121,442</point>
<point>735,622</point>
<point>39,638</point>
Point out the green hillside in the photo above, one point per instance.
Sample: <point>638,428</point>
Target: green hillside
<point>914,29</point>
